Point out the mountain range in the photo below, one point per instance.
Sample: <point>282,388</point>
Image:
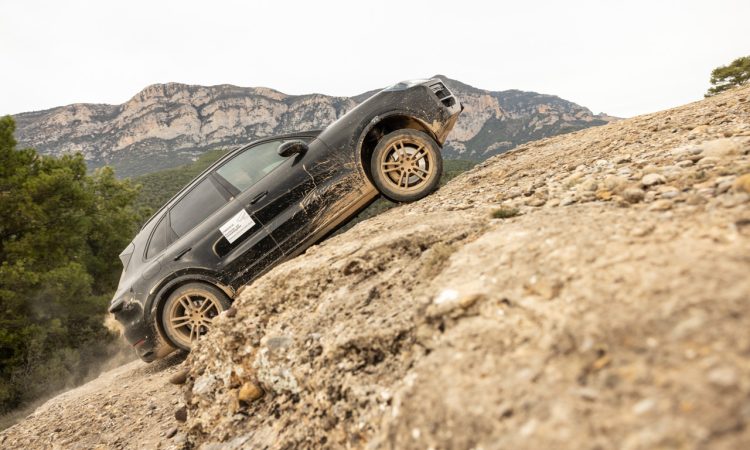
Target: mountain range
<point>166,125</point>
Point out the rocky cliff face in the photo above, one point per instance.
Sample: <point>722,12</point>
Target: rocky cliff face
<point>168,124</point>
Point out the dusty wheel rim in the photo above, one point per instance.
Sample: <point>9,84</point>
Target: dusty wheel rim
<point>191,315</point>
<point>406,165</point>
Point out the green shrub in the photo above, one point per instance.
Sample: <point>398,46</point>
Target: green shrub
<point>505,212</point>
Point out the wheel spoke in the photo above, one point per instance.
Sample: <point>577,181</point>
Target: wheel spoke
<point>416,172</point>
<point>406,182</point>
<point>206,305</point>
<point>425,171</point>
<point>185,302</point>
<point>180,324</point>
<point>391,170</point>
<point>399,147</point>
<point>400,175</point>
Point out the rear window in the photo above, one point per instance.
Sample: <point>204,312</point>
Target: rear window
<point>195,206</point>
<point>158,241</point>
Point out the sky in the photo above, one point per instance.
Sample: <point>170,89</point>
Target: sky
<point>620,57</point>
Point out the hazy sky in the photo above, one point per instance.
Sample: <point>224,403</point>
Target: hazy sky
<point>624,58</point>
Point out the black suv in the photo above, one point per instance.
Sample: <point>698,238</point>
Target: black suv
<point>267,202</point>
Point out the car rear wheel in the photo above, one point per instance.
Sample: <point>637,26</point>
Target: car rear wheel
<point>406,165</point>
<point>189,312</point>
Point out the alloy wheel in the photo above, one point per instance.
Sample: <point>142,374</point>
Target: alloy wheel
<point>406,165</point>
<point>191,316</point>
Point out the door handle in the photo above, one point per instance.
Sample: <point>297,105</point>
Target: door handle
<point>182,253</point>
<point>258,197</point>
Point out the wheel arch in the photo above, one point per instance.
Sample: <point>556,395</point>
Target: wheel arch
<point>167,286</point>
<point>381,126</point>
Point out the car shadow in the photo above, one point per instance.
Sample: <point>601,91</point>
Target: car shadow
<point>163,364</point>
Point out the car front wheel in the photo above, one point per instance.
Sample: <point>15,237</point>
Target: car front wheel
<point>190,311</point>
<point>406,165</point>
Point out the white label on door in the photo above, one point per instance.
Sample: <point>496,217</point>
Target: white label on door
<point>236,226</point>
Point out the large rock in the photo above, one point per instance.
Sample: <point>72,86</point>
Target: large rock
<point>606,323</point>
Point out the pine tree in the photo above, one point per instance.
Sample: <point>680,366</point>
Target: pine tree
<point>60,233</point>
<point>726,77</point>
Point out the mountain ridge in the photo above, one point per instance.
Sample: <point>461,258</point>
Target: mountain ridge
<point>167,124</point>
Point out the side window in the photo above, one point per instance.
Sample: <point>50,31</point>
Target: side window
<point>195,206</point>
<point>158,241</point>
<point>247,168</point>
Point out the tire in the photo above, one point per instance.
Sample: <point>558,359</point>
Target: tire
<point>188,312</point>
<point>406,165</point>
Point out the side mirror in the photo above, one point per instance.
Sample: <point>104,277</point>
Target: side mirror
<point>292,148</point>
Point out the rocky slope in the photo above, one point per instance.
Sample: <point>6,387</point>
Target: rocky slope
<point>168,124</point>
<point>128,407</point>
<point>583,291</point>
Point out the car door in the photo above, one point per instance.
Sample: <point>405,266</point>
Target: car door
<point>295,194</point>
<point>198,228</point>
<point>269,187</point>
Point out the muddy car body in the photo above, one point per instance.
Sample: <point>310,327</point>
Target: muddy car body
<point>268,201</point>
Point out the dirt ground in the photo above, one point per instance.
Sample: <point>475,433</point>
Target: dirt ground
<point>588,291</point>
<point>128,407</point>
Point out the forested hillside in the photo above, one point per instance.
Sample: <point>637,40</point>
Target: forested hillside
<point>158,187</point>
<point>61,231</point>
